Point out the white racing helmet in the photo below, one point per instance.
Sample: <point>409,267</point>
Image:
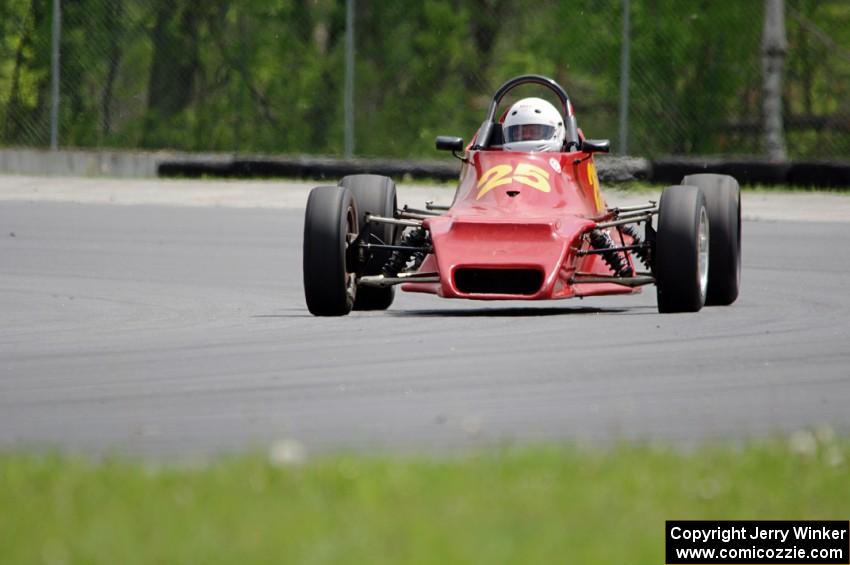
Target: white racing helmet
<point>533,124</point>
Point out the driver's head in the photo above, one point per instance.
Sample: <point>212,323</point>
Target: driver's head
<point>532,124</point>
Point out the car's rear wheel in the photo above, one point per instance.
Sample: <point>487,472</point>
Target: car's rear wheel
<point>682,250</point>
<point>723,200</point>
<point>375,195</point>
<point>330,228</point>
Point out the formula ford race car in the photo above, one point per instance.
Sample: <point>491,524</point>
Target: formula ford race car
<point>522,226</point>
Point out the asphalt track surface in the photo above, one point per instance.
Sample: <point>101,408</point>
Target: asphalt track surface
<point>179,331</point>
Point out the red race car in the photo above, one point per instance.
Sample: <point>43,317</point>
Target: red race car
<point>528,222</point>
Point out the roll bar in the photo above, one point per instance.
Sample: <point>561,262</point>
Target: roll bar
<point>569,118</point>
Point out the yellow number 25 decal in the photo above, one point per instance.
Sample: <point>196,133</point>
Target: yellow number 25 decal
<point>524,173</point>
<point>532,176</point>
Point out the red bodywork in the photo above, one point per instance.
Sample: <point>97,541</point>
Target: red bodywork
<point>520,211</point>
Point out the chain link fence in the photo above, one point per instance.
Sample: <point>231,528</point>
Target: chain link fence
<point>261,76</point>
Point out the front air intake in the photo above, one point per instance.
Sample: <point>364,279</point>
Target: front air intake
<point>520,282</point>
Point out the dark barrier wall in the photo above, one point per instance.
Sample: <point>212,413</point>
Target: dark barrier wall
<point>822,174</point>
<point>612,169</point>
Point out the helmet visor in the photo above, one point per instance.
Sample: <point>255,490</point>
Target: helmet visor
<point>528,132</point>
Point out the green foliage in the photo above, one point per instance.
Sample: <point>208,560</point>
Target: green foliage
<point>694,56</point>
<point>267,76</point>
<point>542,505</point>
<point>818,87</point>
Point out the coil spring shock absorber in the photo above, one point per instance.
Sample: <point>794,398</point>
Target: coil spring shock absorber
<point>601,240</point>
<point>641,252</point>
<point>417,240</point>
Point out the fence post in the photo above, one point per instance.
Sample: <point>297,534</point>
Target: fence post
<point>56,34</point>
<point>625,52</point>
<point>774,47</point>
<point>349,80</point>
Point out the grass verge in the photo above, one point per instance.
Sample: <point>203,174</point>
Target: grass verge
<point>541,505</point>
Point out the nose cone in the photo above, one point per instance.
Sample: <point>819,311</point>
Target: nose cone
<point>487,258</point>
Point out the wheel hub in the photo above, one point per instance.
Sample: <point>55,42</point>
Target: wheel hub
<point>702,253</point>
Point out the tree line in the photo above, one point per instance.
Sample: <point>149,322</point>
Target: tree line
<point>267,75</point>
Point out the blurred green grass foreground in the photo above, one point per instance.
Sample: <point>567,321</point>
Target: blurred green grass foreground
<point>535,505</point>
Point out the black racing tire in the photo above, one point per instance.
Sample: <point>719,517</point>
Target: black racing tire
<point>375,195</point>
<point>330,226</point>
<point>682,250</point>
<point>723,199</point>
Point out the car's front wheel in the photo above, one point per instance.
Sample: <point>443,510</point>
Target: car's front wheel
<point>331,227</point>
<point>375,195</point>
<point>682,250</point>
<point>723,201</point>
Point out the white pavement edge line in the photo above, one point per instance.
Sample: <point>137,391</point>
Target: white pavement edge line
<point>193,193</point>
<point>780,206</point>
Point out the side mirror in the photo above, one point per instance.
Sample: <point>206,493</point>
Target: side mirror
<point>596,145</point>
<point>449,143</point>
